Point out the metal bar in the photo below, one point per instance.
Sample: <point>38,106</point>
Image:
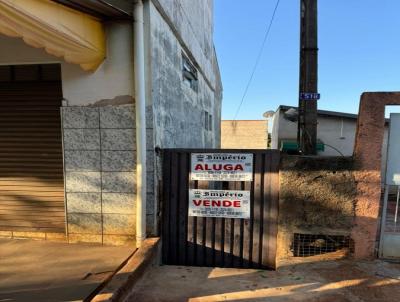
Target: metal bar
<point>383,221</point>
<point>397,208</point>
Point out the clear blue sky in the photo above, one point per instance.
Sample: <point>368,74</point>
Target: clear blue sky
<point>359,50</point>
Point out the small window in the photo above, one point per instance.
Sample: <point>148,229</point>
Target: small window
<point>207,121</point>
<point>189,73</point>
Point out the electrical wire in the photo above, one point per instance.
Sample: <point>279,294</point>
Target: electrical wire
<point>336,149</point>
<point>258,58</point>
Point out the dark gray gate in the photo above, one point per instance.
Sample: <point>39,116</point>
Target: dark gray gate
<point>222,242</point>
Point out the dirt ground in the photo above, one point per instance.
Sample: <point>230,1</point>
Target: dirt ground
<point>328,281</point>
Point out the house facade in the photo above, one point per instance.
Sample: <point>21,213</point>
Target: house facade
<point>91,92</point>
<point>336,132</point>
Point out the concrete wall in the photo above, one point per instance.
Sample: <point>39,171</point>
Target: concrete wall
<point>99,163</point>
<point>178,109</point>
<point>368,163</point>
<point>244,134</point>
<point>174,28</point>
<point>317,196</point>
<point>193,23</point>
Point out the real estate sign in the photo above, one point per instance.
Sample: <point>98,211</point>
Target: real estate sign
<point>222,166</point>
<point>219,203</point>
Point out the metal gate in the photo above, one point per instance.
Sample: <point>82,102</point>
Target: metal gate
<point>389,246</point>
<point>31,161</point>
<point>222,242</point>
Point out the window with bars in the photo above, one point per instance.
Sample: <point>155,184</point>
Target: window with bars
<point>189,73</point>
<point>208,124</point>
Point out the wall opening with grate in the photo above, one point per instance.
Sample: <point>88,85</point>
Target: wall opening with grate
<point>306,245</point>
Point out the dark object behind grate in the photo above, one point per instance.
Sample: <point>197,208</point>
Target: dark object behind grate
<point>305,245</point>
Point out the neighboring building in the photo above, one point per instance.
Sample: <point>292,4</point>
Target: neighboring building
<point>336,132</point>
<point>76,173</point>
<point>244,134</point>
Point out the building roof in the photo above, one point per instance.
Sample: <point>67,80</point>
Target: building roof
<point>103,9</point>
<point>325,112</point>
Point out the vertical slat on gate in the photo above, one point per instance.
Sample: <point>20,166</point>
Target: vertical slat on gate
<point>247,227</point>
<point>165,205</point>
<point>238,236</point>
<point>192,221</point>
<point>210,235</point>
<point>219,235</point>
<point>257,209</point>
<point>174,209</point>
<point>199,241</point>
<point>201,232</point>
<point>219,242</point>
<point>273,213</point>
<point>266,210</point>
<point>229,234</point>
<point>183,207</point>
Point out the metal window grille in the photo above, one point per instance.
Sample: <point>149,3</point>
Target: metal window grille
<point>189,73</point>
<point>392,223</point>
<point>306,245</point>
<point>206,120</point>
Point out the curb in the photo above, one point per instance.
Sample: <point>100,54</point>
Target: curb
<point>122,282</point>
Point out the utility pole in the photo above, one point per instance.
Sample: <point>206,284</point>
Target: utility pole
<point>308,94</point>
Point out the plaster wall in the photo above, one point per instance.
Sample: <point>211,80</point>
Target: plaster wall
<point>113,79</point>
<point>179,110</point>
<point>193,21</point>
<point>317,196</point>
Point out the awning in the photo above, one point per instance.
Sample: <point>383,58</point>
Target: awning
<point>63,32</point>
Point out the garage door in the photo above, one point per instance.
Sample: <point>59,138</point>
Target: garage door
<point>31,164</point>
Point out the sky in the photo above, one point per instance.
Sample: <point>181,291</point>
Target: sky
<point>359,50</point>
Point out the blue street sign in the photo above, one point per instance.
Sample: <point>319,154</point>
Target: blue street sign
<point>309,96</point>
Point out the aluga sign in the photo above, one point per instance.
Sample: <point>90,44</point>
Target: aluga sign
<point>219,203</point>
<point>222,166</point>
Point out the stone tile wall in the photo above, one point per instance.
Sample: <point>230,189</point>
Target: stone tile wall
<point>100,163</point>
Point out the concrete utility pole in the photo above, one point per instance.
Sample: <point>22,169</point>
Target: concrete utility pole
<point>307,127</point>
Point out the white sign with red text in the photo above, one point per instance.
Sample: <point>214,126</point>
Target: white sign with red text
<point>219,203</point>
<point>222,166</point>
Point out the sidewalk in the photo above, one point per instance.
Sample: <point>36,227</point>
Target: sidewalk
<point>54,271</point>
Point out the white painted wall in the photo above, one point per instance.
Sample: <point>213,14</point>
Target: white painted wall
<point>113,78</point>
<point>334,131</point>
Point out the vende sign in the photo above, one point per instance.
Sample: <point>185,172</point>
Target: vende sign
<point>222,166</point>
<point>219,203</point>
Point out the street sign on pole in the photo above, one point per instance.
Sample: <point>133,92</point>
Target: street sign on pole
<point>309,96</point>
